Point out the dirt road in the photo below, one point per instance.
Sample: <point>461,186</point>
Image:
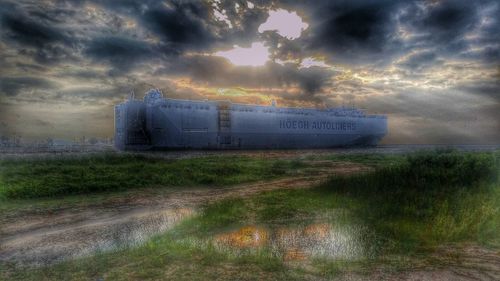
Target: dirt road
<point>45,237</point>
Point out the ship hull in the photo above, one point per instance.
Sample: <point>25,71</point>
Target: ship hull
<point>181,124</point>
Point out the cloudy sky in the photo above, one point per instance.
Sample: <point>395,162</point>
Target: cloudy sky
<point>432,66</point>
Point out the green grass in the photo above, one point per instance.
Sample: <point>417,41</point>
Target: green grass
<point>410,205</point>
<point>29,178</point>
<point>374,160</point>
<point>428,199</point>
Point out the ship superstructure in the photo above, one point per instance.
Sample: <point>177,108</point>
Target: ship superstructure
<point>164,123</point>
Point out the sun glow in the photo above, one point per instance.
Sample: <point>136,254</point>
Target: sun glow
<point>256,55</point>
<point>309,62</point>
<point>285,23</point>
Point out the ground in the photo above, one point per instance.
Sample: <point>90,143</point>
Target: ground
<point>42,235</point>
<point>45,233</point>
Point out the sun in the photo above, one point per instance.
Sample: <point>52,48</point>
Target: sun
<point>285,23</point>
<point>256,55</point>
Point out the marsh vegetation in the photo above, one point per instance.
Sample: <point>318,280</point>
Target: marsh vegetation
<point>399,215</point>
<point>51,177</point>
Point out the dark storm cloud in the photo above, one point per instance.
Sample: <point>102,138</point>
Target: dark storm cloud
<point>179,24</point>
<point>311,80</point>
<point>368,31</point>
<point>419,60</point>
<point>443,26</point>
<point>491,54</point>
<point>201,69</point>
<point>490,31</point>
<point>190,25</point>
<point>54,15</point>
<point>354,30</point>
<point>20,28</point>
<point>11,86</point>
<point>34,35</point>
<point>246,21</point>
<point>446,20</point>
<point>282,48</point>
<point>182,26</point>
<point>122,53</point>
<point>423,61</point>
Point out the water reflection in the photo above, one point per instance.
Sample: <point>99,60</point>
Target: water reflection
<point>54,245</point>
<point>245,237</point>
<point>323,239</point>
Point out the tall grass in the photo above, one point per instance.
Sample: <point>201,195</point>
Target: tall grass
<point>411,205</point>
<point>429,198</point>
<point>33,178</point>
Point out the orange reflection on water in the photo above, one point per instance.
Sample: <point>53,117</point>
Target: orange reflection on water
<point>298,242</point>
<point>318,230</point>
<point>245,237</point>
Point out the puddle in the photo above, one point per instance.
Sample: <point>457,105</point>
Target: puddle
<point>315,240</point>
<point>54,245</point>
<point>245,237</point>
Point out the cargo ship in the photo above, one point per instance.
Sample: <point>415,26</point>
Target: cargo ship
<point>157,122</point>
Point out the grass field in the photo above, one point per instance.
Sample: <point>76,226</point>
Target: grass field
<point>406,208</point>
<point>28,178</point>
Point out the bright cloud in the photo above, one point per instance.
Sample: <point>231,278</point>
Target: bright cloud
<point>285,23</point>
<point>308,62</point>
<point>256,55</point>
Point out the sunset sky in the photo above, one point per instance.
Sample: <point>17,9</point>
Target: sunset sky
<point>432,66</point>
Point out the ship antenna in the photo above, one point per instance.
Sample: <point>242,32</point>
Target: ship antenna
<point>131,95</point>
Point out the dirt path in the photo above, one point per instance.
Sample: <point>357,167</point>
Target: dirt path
<point>448,263</point>
<point>38,238</point>
<point>41,237</point>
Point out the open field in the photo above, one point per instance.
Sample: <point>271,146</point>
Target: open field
<point>425,216</point>
<point>108,172</point>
